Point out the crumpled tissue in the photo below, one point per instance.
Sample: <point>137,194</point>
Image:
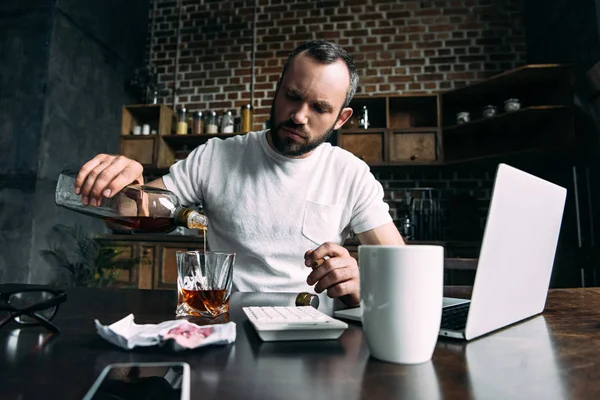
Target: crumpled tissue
<point>180,334</point>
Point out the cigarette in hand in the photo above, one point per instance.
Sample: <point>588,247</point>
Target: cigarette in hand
<point>317,263</point>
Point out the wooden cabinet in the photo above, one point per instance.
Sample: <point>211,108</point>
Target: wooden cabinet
<point>157,266</point>
<point>369,145</point>
<point>402,130</point>
<point>424,130</point>
<point>149,150</point>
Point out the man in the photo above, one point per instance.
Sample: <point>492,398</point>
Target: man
<point>282,199</point>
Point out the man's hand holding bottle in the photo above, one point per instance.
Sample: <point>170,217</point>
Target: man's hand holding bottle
<point>105,175</point>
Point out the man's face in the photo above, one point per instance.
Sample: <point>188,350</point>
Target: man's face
<point>308,105</point>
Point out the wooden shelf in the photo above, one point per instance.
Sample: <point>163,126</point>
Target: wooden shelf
<point>138,137</point>
<point>525,116</point>
<point>415,163</point>
<point>196,140</point>
<point>361,131</point>
<point>426,129</point>
<point>516,157</point>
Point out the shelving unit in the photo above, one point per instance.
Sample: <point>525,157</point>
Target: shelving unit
<point>413,130</point>
<point>543,123</point>
<point>403,131</point>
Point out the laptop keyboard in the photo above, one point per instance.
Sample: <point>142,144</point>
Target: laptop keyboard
<point>454,318</point>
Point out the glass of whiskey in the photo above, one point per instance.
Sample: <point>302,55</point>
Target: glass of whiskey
<point>204,281</point>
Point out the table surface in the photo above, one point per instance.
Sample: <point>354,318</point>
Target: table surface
<point>551,356</point>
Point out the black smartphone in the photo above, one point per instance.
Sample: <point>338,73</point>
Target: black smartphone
<point>161,380</point>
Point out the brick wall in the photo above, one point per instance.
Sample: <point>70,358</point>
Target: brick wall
<point>409,46</point>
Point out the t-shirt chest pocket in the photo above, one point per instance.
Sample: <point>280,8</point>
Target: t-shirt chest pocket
<point>322,222</point>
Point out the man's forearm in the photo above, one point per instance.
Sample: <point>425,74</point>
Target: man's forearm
<point>384,234</point>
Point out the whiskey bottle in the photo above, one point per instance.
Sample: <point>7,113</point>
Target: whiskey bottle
<point>140,208</point>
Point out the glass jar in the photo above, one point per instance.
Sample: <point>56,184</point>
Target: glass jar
<point>182,126</point>
<point>512,105</point>
<point>246,118</point>
<point>198,123</point>
<point>463,117</point>
<point>489,111</point>
<point>227,122</point>
<point>138,207</point>
<point>210,123</point>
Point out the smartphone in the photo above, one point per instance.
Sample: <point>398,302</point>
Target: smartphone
<point>160,380</point>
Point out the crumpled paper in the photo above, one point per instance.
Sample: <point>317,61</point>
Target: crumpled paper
<point>180,334</point>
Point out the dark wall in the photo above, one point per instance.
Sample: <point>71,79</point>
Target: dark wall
<point>24,44</point>
<point>564,31</point>
<point>81,54</point>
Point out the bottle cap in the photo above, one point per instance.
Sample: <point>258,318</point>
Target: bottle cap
<point>307,299</point>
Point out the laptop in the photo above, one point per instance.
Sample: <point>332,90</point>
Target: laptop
<point>515,261</point>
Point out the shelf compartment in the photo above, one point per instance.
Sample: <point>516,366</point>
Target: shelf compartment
<point>368,144</point>
<point>533,128</point>
<point>158,116</point>
<point>407,112</point>
<point>533,85</point>
<point>529,115</point>
<point>412,146</point>
<point>376,107</point>
<point>150,151</point>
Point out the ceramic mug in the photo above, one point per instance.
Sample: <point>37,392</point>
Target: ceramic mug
<point>401,298</point>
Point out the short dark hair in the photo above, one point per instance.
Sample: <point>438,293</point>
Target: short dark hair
<point>326,53</point>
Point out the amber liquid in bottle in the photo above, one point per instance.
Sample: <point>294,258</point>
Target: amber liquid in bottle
<point>146,224</point>
<point>159,224</point>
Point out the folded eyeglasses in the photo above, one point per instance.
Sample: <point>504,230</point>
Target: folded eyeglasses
<point>30,304</point>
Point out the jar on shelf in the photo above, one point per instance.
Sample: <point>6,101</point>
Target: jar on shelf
<point>211,123</point>
<point>246,118</point>
<point>198,123</point>
<point>489,111</point>
<point>463,117</point>
<point>182,126</point>
<point>512,105</point>
<point>227,122</point>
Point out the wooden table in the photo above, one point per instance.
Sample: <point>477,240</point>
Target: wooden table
<point>552,356</point>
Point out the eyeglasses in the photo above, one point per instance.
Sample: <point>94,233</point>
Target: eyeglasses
<point>30,304</point>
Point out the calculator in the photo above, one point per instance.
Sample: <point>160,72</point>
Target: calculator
<point>278,323</point>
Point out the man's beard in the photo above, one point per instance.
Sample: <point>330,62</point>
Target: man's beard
<point>289,147</point>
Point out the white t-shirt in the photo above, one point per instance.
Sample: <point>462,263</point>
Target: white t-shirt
<point>270,209</point>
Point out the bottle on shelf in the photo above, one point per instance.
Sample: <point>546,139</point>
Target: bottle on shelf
<point>138,207</point>
<point>363,118</point>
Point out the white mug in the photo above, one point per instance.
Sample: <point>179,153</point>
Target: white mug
<point>401,290</point>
